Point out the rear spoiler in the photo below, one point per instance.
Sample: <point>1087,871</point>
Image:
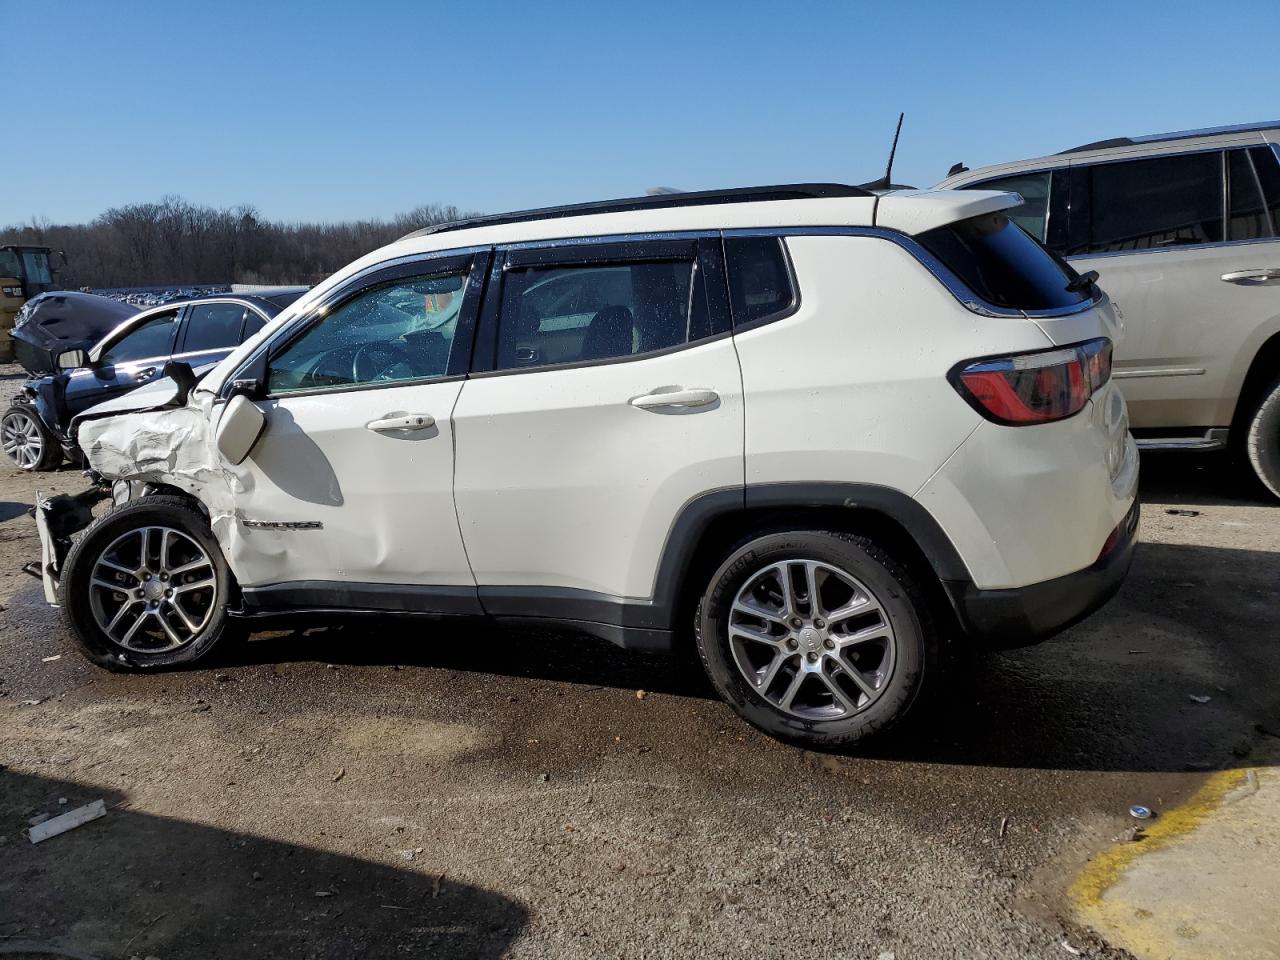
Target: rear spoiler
<point>915,211</point>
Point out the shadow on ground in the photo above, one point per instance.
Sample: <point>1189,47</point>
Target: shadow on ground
<point>135,884</point>
<point>1209,479</point>
<point>1114,693</point>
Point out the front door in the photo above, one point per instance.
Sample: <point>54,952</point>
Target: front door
<point>349,492</point>
<point>124,361</point>
<point>612,398</point>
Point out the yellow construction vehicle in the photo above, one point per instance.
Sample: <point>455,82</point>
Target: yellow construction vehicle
<point>24,271</point>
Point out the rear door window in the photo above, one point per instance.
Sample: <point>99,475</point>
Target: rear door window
<point>213,326</point>
<point>1002,264</point>
<point>1150,204</point>
<point>587,312</point>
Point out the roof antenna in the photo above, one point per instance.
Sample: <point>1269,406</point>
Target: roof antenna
<point>886,182</point>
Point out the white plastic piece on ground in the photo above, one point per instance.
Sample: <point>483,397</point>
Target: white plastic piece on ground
<point>67,821</point>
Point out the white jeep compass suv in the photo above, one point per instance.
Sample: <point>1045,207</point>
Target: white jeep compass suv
<point>819,433</point>
<point>1184,231</point>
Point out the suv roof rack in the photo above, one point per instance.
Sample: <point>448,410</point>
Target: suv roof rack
<point>1176,135</point>
<point>786,191</point>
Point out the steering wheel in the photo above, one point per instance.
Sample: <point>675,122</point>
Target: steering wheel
<point>373,360</point>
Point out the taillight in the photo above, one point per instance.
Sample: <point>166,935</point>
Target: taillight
<point>1035,387</point>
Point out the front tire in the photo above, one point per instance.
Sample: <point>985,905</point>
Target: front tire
<point>817,638</point>
<point>27,442</point>
<point>146,587</point>
<point>1262,442</point>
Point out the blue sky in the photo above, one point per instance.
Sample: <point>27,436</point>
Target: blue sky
<point>326,111</point>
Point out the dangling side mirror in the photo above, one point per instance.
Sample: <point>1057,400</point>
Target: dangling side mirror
<point>241,425</point>
<point>71,360</point>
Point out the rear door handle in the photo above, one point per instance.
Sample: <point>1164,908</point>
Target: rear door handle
<point>410,421</point>
<point>1253,276</point>
<point>676,397</point>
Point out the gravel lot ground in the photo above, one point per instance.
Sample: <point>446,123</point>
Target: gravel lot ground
<point>397,789</point>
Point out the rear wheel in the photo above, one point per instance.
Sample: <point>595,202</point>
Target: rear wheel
<point>146,586</point>
<point>26,441</point>
<point>816,638</point>
<point>1262,442</point>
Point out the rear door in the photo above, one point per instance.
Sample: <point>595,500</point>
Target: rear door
<point>606,396</point>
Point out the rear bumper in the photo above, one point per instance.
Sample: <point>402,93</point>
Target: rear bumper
<point>1020,616</point>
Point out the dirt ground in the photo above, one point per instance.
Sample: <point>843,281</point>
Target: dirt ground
<point>390,789</point>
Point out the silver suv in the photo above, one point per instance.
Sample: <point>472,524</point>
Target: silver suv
<point>1184,232</point>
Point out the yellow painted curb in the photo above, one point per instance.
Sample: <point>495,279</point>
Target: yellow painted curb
<point>1088,891</point>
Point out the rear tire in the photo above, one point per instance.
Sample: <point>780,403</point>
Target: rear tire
<point>27,442</point>
<point>146,587</point>
<point>828,675</point>
<point>1262,442</point>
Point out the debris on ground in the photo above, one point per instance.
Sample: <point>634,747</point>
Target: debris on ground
<point>407,854</point>
<point>201,708</point>
<point>67,821</point>
<point>641,694</point>
<point>1200,698</point>
<point>1074,951</point>
<point>1004,826</point>
<point>342,772</point>
<point>1139,812</point>
<point>56,656</point>
<point>1176,512</point>
<point>32,703</point>
<point>436,882</point>
<point>544,777</point>
<point>1132,835</point>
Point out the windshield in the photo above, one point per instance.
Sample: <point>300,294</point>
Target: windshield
<point>37,266</point>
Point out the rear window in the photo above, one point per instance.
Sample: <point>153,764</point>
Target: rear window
<point>1002,264</point>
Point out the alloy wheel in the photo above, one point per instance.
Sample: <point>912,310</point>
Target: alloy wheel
<point>153,590</point>
<point>811,639</point>
<point>21,438</point>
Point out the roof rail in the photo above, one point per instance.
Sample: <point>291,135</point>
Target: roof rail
<point>1176,135</point>
<point>787,191</point>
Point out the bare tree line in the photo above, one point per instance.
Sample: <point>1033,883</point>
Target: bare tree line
<point>179,243</point>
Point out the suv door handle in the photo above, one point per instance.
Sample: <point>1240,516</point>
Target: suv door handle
<point>676,397</point>
<point>1252,276</point>
<point>146,374</point>
<point>410,421</point>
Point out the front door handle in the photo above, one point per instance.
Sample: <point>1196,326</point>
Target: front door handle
<point>408,422</point>
<point>146,374</point>
<point>1263,275</point>
<point>676,397</point>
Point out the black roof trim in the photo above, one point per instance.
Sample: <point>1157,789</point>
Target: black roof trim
<point>1176,135</point>
<point>787,191</point>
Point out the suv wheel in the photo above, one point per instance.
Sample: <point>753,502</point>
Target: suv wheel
<point>27,441</point>
<point>817,638</point>
<point>146,586</point>
<point>1262,442</point>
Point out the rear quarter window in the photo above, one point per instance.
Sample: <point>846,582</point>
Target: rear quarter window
<point>1002,264</point>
